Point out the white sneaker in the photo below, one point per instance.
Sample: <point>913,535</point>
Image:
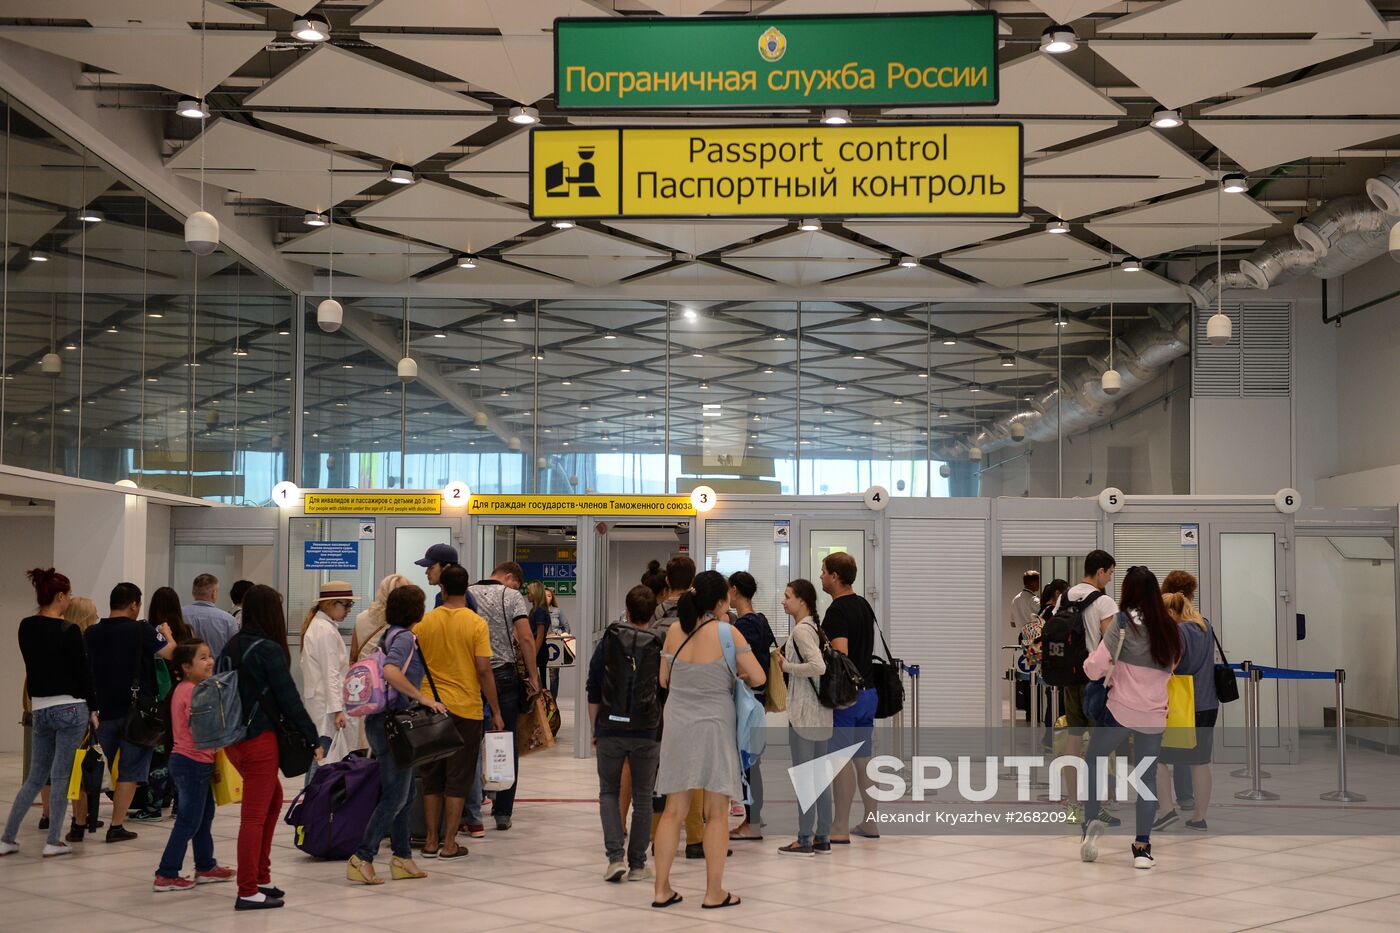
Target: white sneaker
<point>1142,856</point>
<point>53,851</point>
<point>1089,844</point>
<point>641,874</point>
<point>8,848</point>
<point>615,872</point>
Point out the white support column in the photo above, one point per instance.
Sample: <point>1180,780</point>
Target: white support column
<point>100,541</point>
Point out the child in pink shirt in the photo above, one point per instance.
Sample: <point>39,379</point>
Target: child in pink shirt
<point>190,769</point>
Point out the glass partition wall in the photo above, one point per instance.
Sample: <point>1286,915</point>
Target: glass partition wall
<point>125,356</point>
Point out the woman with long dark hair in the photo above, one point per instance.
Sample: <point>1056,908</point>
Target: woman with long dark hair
<point>60,685</point>
<point>165,608</point>
<point>1135,657</point>
<point>699,745</point>
<point>809,723</point>
<point>260,654</point>
<point>1191,778</point>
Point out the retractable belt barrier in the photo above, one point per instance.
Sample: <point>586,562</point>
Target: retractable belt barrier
<point>912,705</point>
<point>1255,674</point>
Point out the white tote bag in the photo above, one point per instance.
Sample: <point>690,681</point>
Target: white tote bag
<point>497,761</point>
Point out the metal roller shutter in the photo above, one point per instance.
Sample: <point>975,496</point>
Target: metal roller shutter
<point>732,545</point>
<point>938,615</point>
<point>1044,538</point>
<point>236,536</point>
<point>1156,547</point>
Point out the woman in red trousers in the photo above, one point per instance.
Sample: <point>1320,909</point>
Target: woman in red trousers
<point>260,654</point>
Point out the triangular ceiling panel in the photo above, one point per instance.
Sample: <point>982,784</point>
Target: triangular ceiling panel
<point>133,246</point>
<point>682,7</point>
<point>1368,88</point>
<point>1260,144</point>
<point>697,274</point>
<point>789,7</point>
<point>509,17</point>
<point>507,154</point>
<point>1037,135</point>
<point>1037,85</point>
<point>1185,221</point>
<point>1144,285</point>
<point>586,256</point>
<point>403,138</point>
<point>1070,198</point>
<point>295,6</point>
<point>931,237</point>
<point>51,174</point>
<point>1141,153</point>
<point>1067,11</point>
<point>520,68</point>
<point>1026,258</point>
<point>26,224</point>
<point>696,237</point>
<point>362,252</point>
<point>806,258</point>
<point>920,277</point>
<point>1252,17</point>
<point>169,58</point>
<point>489,272</point>
<point>334,78</point>
<point>448,216</point>
<point>125,13</point>
<point>1177,72</point>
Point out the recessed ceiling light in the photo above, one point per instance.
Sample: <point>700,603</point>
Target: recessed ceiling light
<point>315,220</point>
<point>508,317</point>
<point>840,388</point>
<point>88,216</point>
<point>875,317</point>
<point>112,329</point>
<point>1057,226</point>
<point>562,224</point>
<point>1057,40</point>
<point>311,29</point>
<point>505,393</point>
<point>877,422</point>
<point>698,355</point>
<point>942,412</point>
<point>38,255</point>
<point>858,356</point>
<point>583,406</point>
<point>768,371</point>
<point>899,401</point>
<point>950,341</point>
<point>1062,323</point>
<point>401,175</point>
<point>194,109</point>
<point>70,345</point>
<point>1164,119</point>
<point>625,369</point>
<point>836,117</point>
<point>155,315</point>
<point>778,338</point>
<point>439,336</point>
<point>689,314</point>
<point>809,225</point>
<point>284,333</point>
<point>610,336</point>
<point>347,365</point>
<point>923,375</point>
<point>1131,265</point>
<point>974,388</point>
<point>908,262</point>
<point>566,382</point>
<point>466,262</point>
<point>1008,361</point>
<point>524,116</point>
<point>1234,183</point>
<point>239,350</point>
<point>828,410</point>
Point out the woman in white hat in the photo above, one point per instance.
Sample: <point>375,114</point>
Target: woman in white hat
<point>324,661</point>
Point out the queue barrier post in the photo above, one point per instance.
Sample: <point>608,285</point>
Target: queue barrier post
<point>1037,712</point>
<point>1341,794</point>
<point>1054,720</point>
<point>1251,701</point>
<point>914,705</point>
<point>1255,791</point>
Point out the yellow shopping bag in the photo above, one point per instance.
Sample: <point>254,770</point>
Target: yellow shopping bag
<point>75,779</point>
<point>226,781</point>
<point>1181,712</point>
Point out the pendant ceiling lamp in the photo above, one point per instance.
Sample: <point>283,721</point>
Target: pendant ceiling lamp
<point>1219,328</point>
<point>202,227</point>
<point>329,313</point>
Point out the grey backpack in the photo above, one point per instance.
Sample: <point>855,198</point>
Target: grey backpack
<point>216,709</point>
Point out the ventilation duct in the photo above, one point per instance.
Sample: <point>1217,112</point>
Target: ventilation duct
<point>1384,189</point>
<point>1213,279</point>
<point>1278,259</point>
<point>1139,356</point>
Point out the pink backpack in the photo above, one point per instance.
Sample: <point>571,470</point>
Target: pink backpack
<point>364,690</point>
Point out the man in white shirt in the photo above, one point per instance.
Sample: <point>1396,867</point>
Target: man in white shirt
<point>1025,606</point>
<point>1098,574</point>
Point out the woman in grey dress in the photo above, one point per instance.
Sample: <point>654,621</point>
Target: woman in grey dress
<point>699,748</point>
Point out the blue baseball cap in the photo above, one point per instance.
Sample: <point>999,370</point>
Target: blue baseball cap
<point>438,554</point>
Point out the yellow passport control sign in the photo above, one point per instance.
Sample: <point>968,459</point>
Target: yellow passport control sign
<point>581,505</point>
<point>926,169</point>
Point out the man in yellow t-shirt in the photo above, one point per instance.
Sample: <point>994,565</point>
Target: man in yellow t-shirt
<point>456,647</point>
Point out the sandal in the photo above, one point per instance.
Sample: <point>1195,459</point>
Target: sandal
<point>675,898</point>
<point>430,853</point>
<point>355,871</point>
<point>863,833</point>
<point>730,900</point>
<point>745,838</point>
<point>401,869</point>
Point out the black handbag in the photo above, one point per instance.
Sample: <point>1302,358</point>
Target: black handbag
<point>420,735</point>
<point>294,751</point>
<point>1227,688</point>
<point>887,679</point>
<point>145,721</point>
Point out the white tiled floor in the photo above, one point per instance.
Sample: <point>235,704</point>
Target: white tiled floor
<point>544,874</point>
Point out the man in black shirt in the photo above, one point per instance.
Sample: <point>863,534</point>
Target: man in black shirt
<point>121,649</point>
<point>850,624</point>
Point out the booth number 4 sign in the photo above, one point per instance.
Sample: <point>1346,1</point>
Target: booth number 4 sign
<point>877,498</point>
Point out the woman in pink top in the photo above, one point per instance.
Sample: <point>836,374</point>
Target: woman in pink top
<point>190,769</point>
<point>1145,642</point>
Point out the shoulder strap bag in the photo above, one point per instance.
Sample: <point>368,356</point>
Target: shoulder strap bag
<point>145,722</point>
<point>421,735</point>
<point>887,679</point>
<point>294,752</point>
<point>1227,687</point>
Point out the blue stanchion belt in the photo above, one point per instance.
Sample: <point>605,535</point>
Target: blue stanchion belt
<point>1283,673</point>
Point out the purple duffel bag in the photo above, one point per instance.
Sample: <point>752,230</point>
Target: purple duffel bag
<point>330,815</point>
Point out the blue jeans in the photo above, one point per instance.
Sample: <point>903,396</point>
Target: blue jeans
<point>194,816</point>
<point>1105,740</point>
<point>390,816</point>
<point>818,816</point>
<point>57,733</point>
<point>508,691</point>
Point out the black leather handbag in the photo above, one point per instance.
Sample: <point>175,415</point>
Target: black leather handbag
<point>145,721</point>
<point>419,735</point>
<point>887,677</point>
<point>1227,688</point>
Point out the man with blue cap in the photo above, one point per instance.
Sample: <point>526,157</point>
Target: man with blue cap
<point>437,557</point>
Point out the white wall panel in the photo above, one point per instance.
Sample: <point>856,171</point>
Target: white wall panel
<point>1046,538</point>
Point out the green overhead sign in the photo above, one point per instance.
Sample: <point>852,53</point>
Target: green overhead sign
<point>921,59</point>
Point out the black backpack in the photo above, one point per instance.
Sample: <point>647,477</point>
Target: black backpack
<point>631,672</point>
<point>840,686</point>
<point>1062,646</point>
